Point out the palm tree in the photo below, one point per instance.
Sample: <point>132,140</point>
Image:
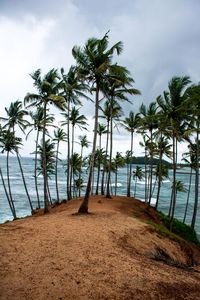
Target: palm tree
<point>76,120</point>
<point>37,124</point>
<point>15,116</point>
<point>138,174</point>
<point>193,115</point>
<point>172,105</point>
<point>7,143</point>
<point>50,163</point>
<point>112,111</point>
<point>190,159</point>
<point>131,123</point>
<point>149,122</point>
<point>93,62</point>
<point>101,130</point>
<point>72,89</point>
<point>119,162</point>
<point>59,136</point>
<point>47,87</point>
<point>76,163</point>
<point>84,143</point>
<point>99,157</point>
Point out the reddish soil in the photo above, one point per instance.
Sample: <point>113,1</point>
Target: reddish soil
<point>108,254</point>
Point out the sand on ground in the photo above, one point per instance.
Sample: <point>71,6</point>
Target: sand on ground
<point>108,254</point>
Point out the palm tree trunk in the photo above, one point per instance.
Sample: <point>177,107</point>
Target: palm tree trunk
<point>174,180</point>
<point>151,169</point>
<point>196,196</point>
<point>98,176</point>
<point>135,187</point>
<point>71,168</point>
<point>188,196</point>
<point>69,196</point>
<point>104,167</point>
<point>108,195</point>
<point>84,205</point>
<point>24,182</point>
<point>56,173</point>
<point>160,173</point>
<point>46,202</point>
<point>6,192</point>
<point>35,169</point>
<point>49,193</point>
<point>79,190</point>
<point>130,168</point>
<point>116,173</point>
<point>145,171</point>
<point>9,189</point>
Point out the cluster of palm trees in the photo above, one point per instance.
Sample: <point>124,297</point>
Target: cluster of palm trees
<point>172,118</point>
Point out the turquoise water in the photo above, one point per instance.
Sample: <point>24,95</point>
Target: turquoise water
<point>22,205</point>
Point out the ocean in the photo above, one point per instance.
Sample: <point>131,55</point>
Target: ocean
<point>23,208</point>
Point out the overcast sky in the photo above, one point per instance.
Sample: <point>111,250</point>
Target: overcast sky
<point>161,39</point>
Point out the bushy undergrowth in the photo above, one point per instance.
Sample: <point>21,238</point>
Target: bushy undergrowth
<point>183,230</point>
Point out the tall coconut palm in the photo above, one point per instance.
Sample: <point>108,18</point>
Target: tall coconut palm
<point>172,105</point>
<point>102,129</point>
<point>190,159</point>
<point>149,122</point>
<point>72,89</point>
<point>113,112</point>
<point>7,143</point>
<point>84,144</point>
<point>76,120</point>
<point>37,124</point>
<point>59,136</point>
<point>93,62</point>
<point>138,174</point>
<point>193,116</point>
<point>15,117</point>
<point>76,163</point>
<point>117,87</point>
<point>119,162</point>
<point>48,88</point>
<point>131,124</point>
<point>50,163</point>
<point>99,157</point>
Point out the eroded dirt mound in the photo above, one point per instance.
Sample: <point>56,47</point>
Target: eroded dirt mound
<point>108,254</point>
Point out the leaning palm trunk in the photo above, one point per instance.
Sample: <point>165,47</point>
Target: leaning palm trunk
<point>188,196</point>
<point>69,196</point>
<point>46,202</point>
<point>71,168</point>
<point>24,182</point>
<point>106,154</point>
<point>98,176</point>
<point>173,199</point>
<point>79,178</point>
<point>84,205</point>
<point>49,193</point>
<point>159,176</point>
<point>9,189</point>
<point>196,181</point>
<point>35,170</point>
<point>130,168</point>
<point>56,174</point>
<point>108,195</point>
<point>7,195</point>
<point>151,171</point>
<point>145,170</point>
<point>116,175</point>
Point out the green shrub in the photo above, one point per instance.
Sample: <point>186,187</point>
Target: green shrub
<point>181,229</point>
